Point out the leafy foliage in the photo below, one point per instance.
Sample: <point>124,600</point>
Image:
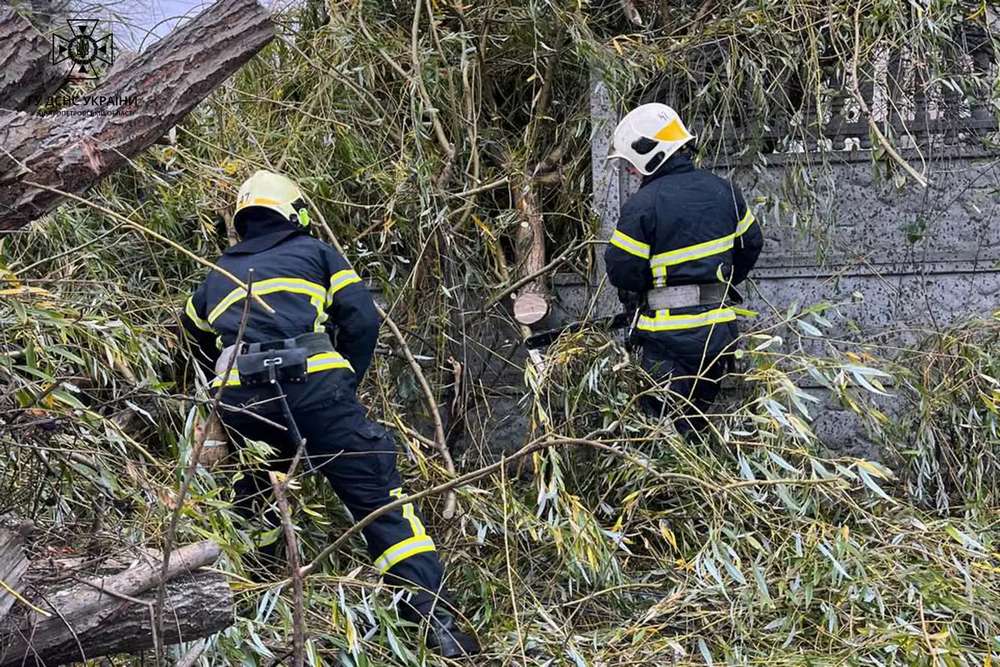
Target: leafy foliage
<point>406,124</point>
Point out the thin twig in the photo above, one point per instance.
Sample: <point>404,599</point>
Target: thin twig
<point>499,183</point>
<point>530,448</point>
<point>192,655</point>
<point>69,626</point>
<point>159,237</point>
<point>418,76</point>
<point>509,565</point>
<point>292,549</point>
<point>859,98</point>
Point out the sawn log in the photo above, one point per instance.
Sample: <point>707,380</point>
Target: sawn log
<point>114,614</point>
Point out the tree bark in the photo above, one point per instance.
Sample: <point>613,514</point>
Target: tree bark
<point>45,13</point>
<point>13,565</point>
<point>134,107</point>
<point>114,614</point>
<point>197,605</point>
<point>26,72</point>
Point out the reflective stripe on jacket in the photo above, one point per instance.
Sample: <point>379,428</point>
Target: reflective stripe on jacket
<point>684,226</point>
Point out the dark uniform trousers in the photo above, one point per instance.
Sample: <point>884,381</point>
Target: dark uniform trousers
<point>358,458</point>
<point>691,374</point>
<point>310,286</point>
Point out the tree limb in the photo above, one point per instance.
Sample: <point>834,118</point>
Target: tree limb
<point>73,152</point>
<point>27,75</point>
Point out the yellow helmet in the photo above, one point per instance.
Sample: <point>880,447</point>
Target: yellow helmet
<point>279,193</point>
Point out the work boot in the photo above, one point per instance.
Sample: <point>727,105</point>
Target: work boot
<point>446,639</point>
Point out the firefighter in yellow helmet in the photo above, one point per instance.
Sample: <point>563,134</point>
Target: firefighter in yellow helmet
<point>299,368</point>
<point>683,242</point>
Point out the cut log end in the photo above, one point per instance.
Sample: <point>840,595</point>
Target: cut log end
<point>530,308</point>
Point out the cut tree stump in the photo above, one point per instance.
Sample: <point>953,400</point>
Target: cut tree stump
<point>139,103</point>
<point>27,74</point>
<point>531,303</point>
<point>114,614</point>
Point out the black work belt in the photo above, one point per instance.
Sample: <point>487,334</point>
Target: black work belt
<point>281,360</point>
<point>313,342</point>
<point>273,362</point>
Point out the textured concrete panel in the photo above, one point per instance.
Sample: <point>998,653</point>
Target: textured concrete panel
<point>895,308</point>
<point>855,218</point>
<point>607,189</point>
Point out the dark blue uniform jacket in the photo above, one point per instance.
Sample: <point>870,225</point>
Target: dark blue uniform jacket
<point>684,226</point>
<point>310,287</point>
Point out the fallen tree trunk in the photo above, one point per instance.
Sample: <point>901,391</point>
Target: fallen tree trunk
<point>196,605</point>
<point>132,108</point>
<point>114,614</point>
<point>27,74</point>
<point>13,565</point>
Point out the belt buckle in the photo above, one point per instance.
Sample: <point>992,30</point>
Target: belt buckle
<point>272,368</point>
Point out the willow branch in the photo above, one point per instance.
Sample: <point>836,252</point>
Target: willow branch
<point>159,237</point>
<point>527,450</point>
<point>439,438</point>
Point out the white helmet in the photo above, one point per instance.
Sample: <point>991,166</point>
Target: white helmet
<point>648,135</point>
<point>276,192</point>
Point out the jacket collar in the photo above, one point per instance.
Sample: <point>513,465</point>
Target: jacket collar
<point>263,242</point>
<point>262,232</point>
<point>678,163</point>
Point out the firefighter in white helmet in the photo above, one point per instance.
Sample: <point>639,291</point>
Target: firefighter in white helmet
<point>683,242</point>
<point>299,368</point>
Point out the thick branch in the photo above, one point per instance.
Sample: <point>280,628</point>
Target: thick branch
<point>531,302</point>
<point>131,109</point>
<point>114,614</point>
<point>439,438</point>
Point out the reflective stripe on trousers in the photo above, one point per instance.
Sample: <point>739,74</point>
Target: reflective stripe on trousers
<point>411,546</point>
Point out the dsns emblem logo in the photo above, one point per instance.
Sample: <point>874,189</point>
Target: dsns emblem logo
<point>83,48</point>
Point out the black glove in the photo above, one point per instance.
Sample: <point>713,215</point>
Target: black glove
<point>631,301</point>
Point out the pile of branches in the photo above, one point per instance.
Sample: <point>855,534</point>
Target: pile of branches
<point>440,144</point>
